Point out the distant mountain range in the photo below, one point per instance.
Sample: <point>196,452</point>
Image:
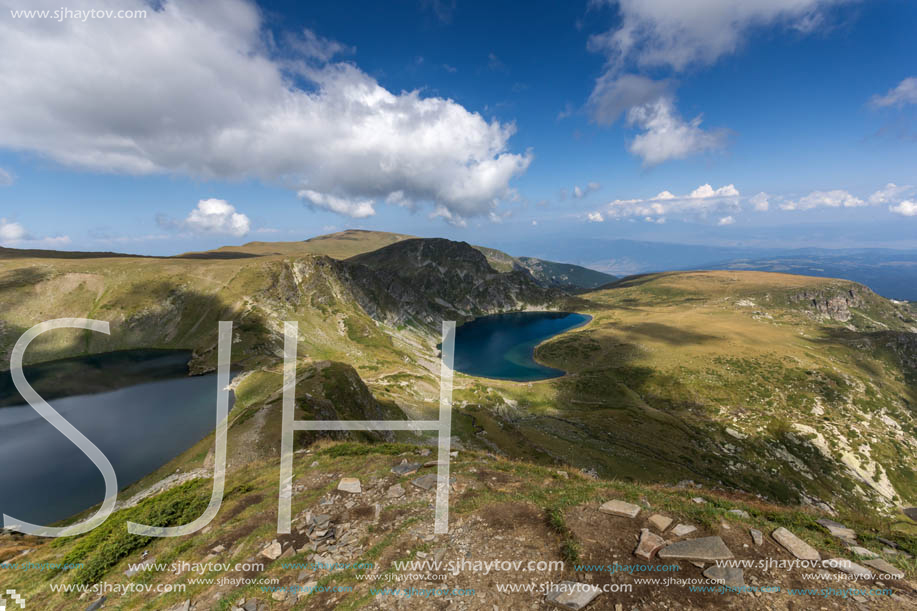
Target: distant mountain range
<point>891,273</point>
<point>596,262</point>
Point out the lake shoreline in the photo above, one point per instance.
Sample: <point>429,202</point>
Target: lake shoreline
<point>490,340</point>
<point>90,374</point>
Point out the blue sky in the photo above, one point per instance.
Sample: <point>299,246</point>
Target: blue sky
<point>767,122</point>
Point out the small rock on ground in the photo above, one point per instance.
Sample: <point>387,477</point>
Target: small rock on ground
<point>796,546</point>
<point>756,536</point>
<point>649,544</point>
<point>406,468</point>
<point>620,508</point>
<point>862,552</point>
<point>350,484</point>
<point>272,551</point>
<point>683,529</point>
<point>572,595</point>
<point>731,577</point>
<point>660,522</point>
<point>707,549</point>
<point>885,568</point>
<point>851,568</point>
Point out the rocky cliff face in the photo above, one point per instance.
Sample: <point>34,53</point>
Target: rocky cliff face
<point>425,281</point>
<point>835,306</point>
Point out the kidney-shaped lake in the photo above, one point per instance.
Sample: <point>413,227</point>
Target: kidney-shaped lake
<point>502,346</point>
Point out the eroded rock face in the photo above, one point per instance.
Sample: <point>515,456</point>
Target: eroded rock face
<point>429,280</point>
<point>832,305</point>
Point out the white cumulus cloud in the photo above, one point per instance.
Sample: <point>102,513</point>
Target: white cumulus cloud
<point>670,36</point>
<point>580,192</point>
<point>760,202</point>
<point>890,193</point>
<point>354,208</point>
<point>726,220</point>
<point>706,190</point>
<point>698,204</point>
<point>614,95</point>
<point>199,89</point>
<point>837,198</point>
<point>217,216</point>
<point>595,217</point>
<point>11,232</point>
<point>14,234</point>
<point>905,208</point>
<point>667,136</point>
<point>677,34</point>
<point>905,93</point>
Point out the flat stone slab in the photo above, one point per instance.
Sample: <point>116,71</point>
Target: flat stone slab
<point>796,546</point>
<point>849,567</point>
<point>862,552</point>
<point>660,522</point>
<point>887,542</point>
<point>731,577</point>
<point>350,484</point>
<point>406,468</point>
<point>272,551</point>
<point>572,595</point>
<point>911,512</point>
<point>741,513</point>
<point>683,529</point>
<point>885,568</point>
<point>757,536</point>
<point>838,530</point>
<point>96,604</point>
<point>699,500</point>
<point>649,544</point>
<point>395,491</point>
<point>705,549</point>
<point>425,482</point>
<point>620,508</point>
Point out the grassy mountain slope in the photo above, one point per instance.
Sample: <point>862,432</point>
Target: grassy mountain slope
<point>796,388</point>
<point>500,509</point>
<point>788,397</point>
<point>565,275</point>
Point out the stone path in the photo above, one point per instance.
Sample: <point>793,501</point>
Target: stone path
<point>705,549</point>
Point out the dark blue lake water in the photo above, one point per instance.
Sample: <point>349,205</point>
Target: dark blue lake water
<point>502,346</point>
<point>45,478</point>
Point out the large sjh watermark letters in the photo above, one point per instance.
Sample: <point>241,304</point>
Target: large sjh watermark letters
<point>443,426</point>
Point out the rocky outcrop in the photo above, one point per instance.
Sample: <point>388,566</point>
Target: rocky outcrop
<point>834,305</point>
<point>425,281</point>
